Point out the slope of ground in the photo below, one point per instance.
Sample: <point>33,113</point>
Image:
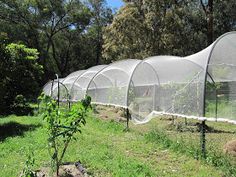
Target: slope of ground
<point>103,148</point>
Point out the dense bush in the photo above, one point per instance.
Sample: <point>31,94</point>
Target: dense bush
<point>20,75</point>
<point>20,106</point>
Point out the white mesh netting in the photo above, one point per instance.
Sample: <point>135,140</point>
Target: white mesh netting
<point>110,86</point>
<point>80,85</point>
<point>197,86</point>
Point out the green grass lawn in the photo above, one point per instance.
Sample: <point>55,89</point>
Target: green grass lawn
<point>103,148</point>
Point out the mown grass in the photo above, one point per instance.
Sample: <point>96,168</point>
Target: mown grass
<point>103,148</point>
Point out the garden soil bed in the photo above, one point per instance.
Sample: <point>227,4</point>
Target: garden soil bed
<point>66,170</point>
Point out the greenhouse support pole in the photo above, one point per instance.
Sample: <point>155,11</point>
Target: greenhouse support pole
<point>127,118</point>
<point>203,139</point>
<point>52,87</point>
<point>69,104</point>
<point>216,108</point>
<point>58,91</point>
<point>154,97</point>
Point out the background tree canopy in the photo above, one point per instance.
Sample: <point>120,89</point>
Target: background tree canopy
<point>144,28</point>
<point>69,35</point>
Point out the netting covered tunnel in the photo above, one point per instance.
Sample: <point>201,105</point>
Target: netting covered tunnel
<point>166,84</point>
<point>202,85</point>
<point>110,86</point>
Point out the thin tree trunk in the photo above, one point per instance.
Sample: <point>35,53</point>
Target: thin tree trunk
<point>208,9</point>
<point>210,22</point>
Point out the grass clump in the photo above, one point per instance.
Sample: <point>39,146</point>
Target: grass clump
<point>160,137</point>
<point>28,168</point>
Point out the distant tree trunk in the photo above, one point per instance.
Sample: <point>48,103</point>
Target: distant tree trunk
<point>210,22</point>
<point>98,47</point>
<point>98,54</point>
<point>208,9</point>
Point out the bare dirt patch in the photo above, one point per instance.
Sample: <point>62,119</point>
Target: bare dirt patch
<point>66,170</point>
<point>110,113</point>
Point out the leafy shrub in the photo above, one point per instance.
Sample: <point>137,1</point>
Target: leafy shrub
<point>20,106</point>
<point>62,125</point>
<point>20,75</point>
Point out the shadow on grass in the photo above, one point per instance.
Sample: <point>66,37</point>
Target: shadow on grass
<point>12,129</point>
